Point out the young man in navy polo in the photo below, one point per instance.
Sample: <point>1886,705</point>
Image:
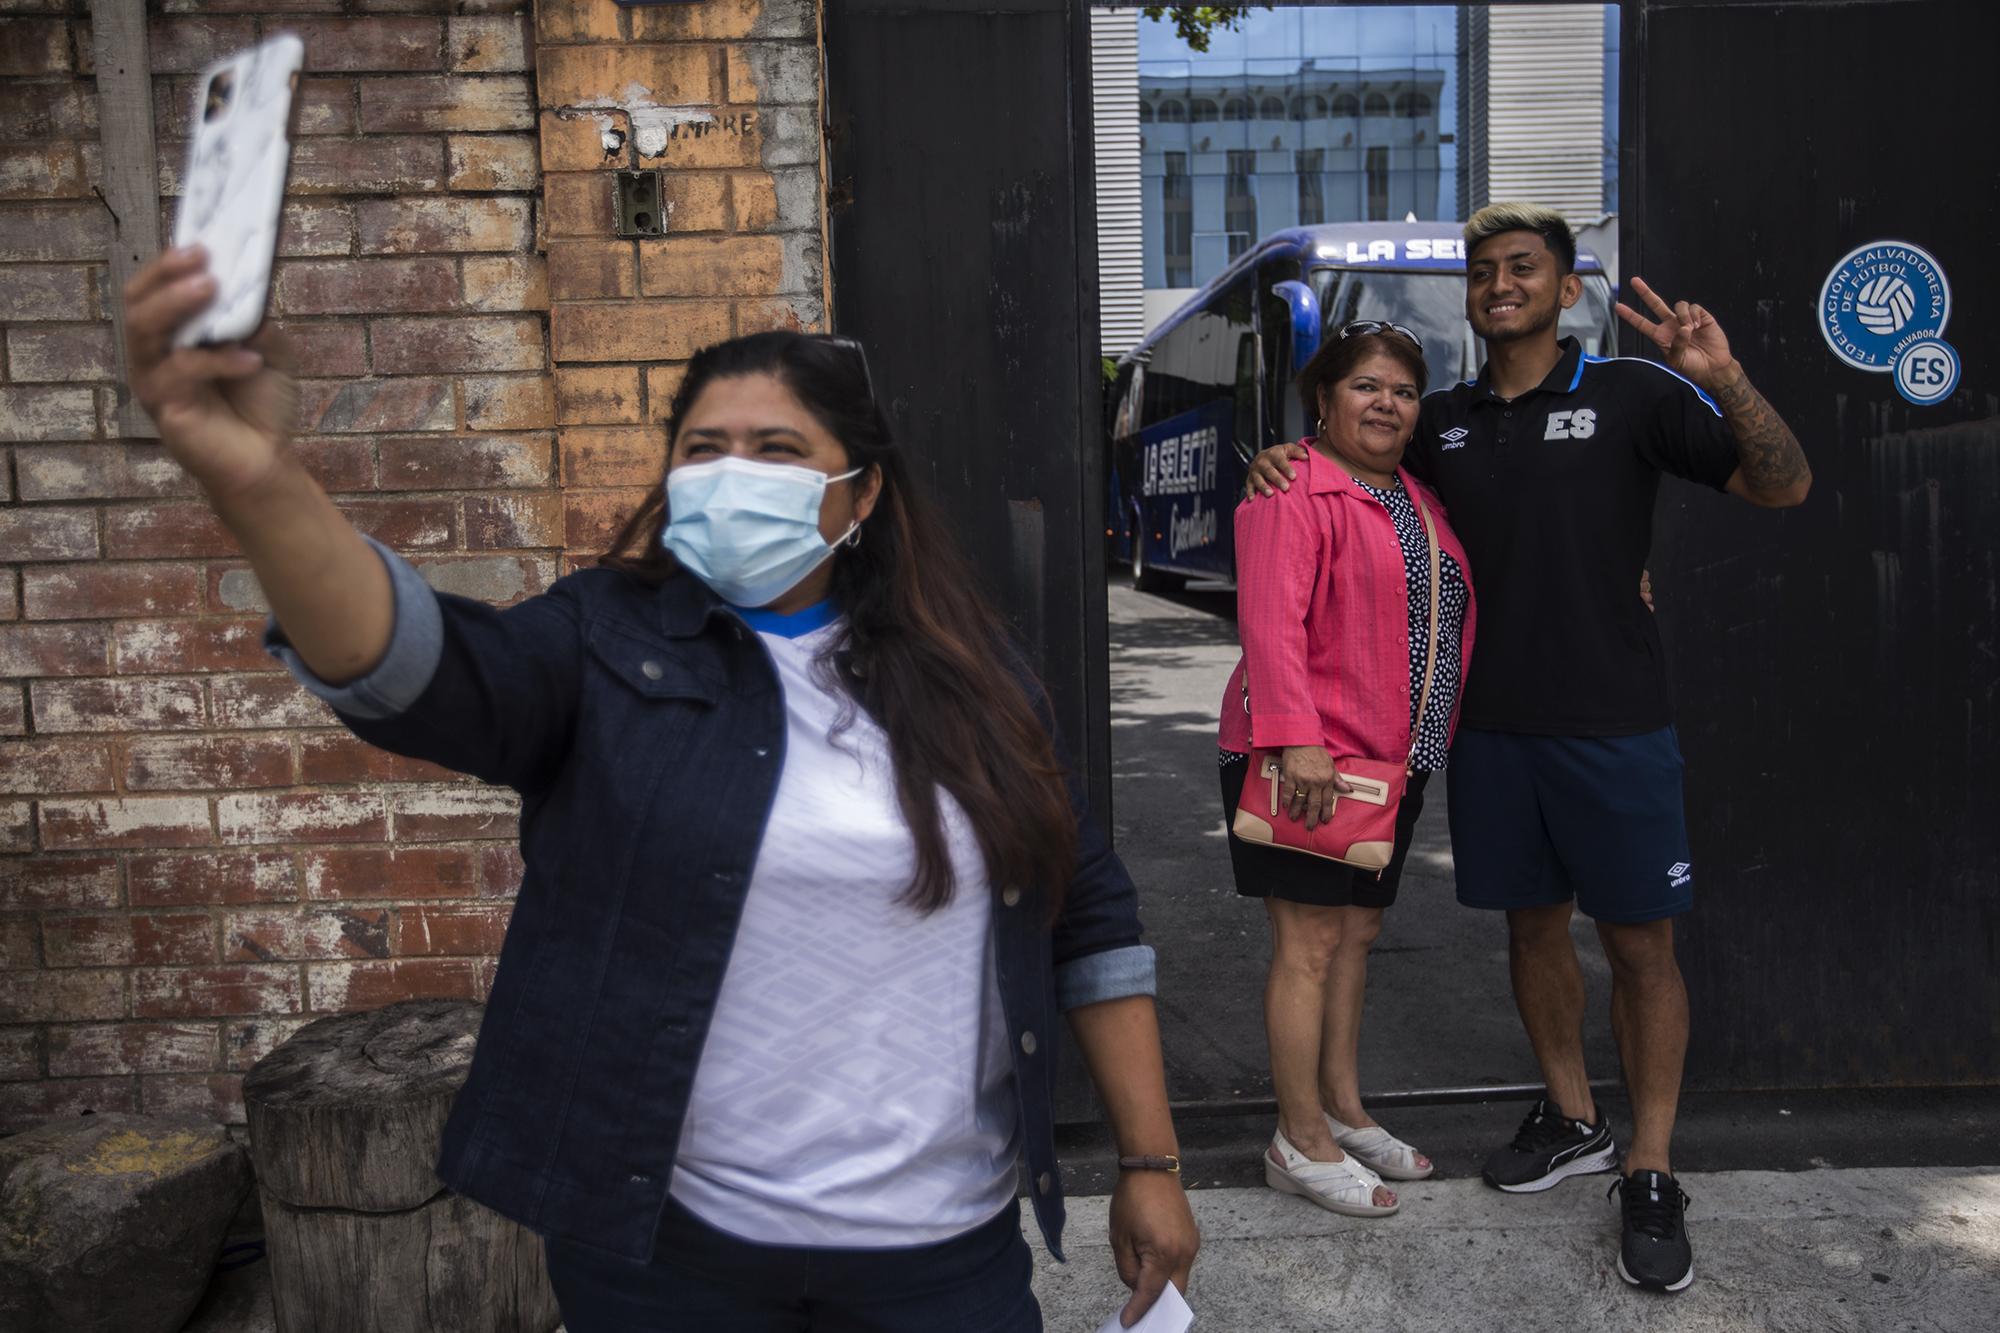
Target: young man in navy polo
<point>1565,780</point>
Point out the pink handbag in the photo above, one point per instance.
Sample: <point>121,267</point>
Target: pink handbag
<point>1362,830</point>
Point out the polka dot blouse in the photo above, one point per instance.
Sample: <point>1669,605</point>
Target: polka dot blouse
<point>1434,729</point>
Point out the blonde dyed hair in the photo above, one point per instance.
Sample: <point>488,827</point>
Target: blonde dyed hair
<point>1546,223</point>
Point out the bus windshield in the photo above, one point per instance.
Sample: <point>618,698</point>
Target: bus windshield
<point>1432,305</point>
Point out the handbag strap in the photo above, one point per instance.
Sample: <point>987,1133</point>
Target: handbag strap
<point>1431,650</point>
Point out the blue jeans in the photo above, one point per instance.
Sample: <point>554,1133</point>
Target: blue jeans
<point>706,1281</point>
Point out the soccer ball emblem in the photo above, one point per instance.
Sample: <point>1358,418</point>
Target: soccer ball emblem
<point>1885,304</point>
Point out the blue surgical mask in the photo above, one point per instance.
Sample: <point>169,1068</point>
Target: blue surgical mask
<point>748,530</point>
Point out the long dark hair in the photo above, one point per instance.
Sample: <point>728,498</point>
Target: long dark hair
<point>923,653</point>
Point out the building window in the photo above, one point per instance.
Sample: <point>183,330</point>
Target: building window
<point>1347,105</point>
<point>1145,114</point>
<point>1378,184</point>
<point>1413,106</point>
<point>1236,108</point>
<point>1375,105</point>
<point>1271,109</point>
<point>1311,163</point>
<point>1239,201</point>
<point>1172,113</point>
<point>1177,215</point>
<point>1308,108</point>
<point>1203,110</point>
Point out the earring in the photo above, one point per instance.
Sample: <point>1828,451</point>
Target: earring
<point>853,539</point>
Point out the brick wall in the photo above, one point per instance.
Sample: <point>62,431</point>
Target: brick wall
<point>193,859</point>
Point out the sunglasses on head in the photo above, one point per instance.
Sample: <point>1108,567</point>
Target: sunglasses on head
<point>853,347</point>
<point>1361,328</point>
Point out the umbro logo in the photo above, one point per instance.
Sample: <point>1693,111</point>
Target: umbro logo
<point>1455,437</point>
<point>1677,874</point>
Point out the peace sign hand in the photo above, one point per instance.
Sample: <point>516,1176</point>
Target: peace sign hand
<point>1687,335</point>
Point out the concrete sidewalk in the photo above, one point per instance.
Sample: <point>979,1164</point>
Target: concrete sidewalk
<point>1866,1250</point>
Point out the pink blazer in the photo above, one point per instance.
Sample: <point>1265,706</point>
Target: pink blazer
<point>1322,606</point>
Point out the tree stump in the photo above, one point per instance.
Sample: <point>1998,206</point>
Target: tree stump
<point>112,1223</point>
<point>345,1120</point>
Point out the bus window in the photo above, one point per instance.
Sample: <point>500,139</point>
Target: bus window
<point>1249,378</point>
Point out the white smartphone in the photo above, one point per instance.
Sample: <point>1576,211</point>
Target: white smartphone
<point>238,157</point>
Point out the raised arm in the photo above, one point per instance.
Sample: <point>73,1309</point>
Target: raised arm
<point>1771,468</point>
<point>225,415</point>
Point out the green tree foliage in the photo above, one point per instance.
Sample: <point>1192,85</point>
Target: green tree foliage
<point>1193,23</point>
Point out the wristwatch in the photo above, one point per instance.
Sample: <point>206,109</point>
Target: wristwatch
<point>1151,1162</point>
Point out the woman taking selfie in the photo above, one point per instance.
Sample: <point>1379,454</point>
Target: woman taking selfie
<point>1334,611</point>
<point>806,884</point>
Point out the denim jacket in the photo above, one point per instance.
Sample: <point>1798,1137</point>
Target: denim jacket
<point>644,729</point>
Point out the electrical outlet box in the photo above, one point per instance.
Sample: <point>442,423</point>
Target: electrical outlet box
<point>641,211</point>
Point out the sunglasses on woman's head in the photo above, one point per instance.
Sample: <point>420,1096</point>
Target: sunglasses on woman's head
<point>1361,328</point>
<point>853,346</point>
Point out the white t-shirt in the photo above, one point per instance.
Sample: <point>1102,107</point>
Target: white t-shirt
<point>855,1090</point>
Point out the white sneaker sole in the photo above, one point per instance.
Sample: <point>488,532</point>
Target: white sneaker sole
<point>1687,1278</point>
<point>1280,1180</point>
<point>1604,1159</point>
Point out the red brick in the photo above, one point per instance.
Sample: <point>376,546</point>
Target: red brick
<point>146,647</point>
<point>336,758</point>
<point>498,580</point>
<point>381,165</point>
<point>612,455</point>
<point>142,532</point>
<point>492,162</point>
<point>186,44</point>
<point>674,75</point>
<point>55,352</point>
<point>662,383</point>
<point>488,45</point>
<point>451,929</point>
<point>53,232</point>
<point>340,465</point>
<point>25,1105</point>
<point>274,935</point>
<point>41,171</point>
<point>466,463</point>
<point>714,19</point>
<point>245,1041</point>
<point>576,21</point>
<point>128,939</point>
<point>592,270</point>
<point>351,987</point>
<point>576,140</point>
<point>134,821</point>
<point>95,591</point>
<point>579,204</point>
<point>37,110</point>
<point>116,705</point>
<point>406,525</point>
<point>48,768</point>
<point>500,870</point>
<point>20,1048</point>
<point>505,282</point>
<point>216,1097</point>
<point>369,44</point>
<point>310,227</point>
<point>469,343</point>
<point>270,700</point>
<point>513,522</point>
<point>99,471</point>
<point>33,47</point>
<point>464,103</point>
<point>592,395</point>
<point>327,347</point>
<point>83,1050</point>
<point>52,650</point>
<point>508,402</point>
<point>365,286</point>
<point>207,763</point>
<point>591,519</point>
<point>326,106</point>
<point>233,587</point>
<point>17,826</point>
<point>443,814</point>
<point>185,879</point>
<point>375,406</point>
<point>47,412</point>
<point>451,225</point>
<point>221,991</point>
<point>58,881</point>
<point>40,291</point>
<point>392,872</point>
<point>637,330</point>
<point>301,817</point>
<point>62,997</point>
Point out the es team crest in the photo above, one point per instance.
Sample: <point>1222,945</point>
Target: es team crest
<point>1880,299</point>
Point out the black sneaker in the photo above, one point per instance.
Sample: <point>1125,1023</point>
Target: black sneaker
<point>1655,1252</point>
<point>1547,1149</point>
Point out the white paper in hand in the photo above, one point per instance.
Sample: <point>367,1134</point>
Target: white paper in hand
<point>1170,1314</point>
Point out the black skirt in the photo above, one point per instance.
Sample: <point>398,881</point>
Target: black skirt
<point>1267,872</point>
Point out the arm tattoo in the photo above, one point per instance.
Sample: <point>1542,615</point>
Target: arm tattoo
<point>1766,449</point>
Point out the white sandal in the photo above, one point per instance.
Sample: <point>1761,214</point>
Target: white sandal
<point>1383,1152</point>
<point>1346,1187</point>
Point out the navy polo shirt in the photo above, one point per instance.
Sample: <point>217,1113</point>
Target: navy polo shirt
<point>1552,493</point>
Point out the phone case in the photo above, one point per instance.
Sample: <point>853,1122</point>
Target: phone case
<point>234,190</point>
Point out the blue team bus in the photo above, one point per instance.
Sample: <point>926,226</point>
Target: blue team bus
<point>1212,385</point>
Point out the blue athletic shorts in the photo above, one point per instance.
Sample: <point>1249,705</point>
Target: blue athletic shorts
<point>1537,820</point>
